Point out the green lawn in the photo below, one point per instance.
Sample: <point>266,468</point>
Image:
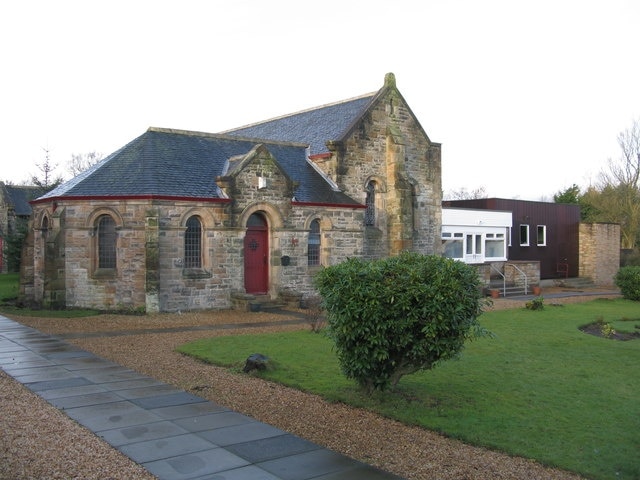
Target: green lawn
<point>9,287</point>
<point>9,284</point>
<point>540,388</point>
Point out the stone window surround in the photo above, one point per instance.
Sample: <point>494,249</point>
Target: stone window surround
<point>92,225</point>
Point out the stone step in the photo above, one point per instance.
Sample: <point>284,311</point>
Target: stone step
<point>576,282</point>
<point>257,306</point>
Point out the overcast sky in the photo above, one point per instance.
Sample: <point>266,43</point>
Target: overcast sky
<point>526,98</point>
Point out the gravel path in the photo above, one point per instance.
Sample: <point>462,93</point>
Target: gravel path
<point>38,441</point>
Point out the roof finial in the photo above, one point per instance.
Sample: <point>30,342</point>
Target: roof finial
<point>389,80</point>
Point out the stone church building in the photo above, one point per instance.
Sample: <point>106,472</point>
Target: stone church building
<point>179,220</point>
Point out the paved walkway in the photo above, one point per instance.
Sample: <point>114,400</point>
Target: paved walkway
<point>172,433</point>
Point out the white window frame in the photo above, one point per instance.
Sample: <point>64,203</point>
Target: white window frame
<point>495,237</point>
<point>526,241</point>
<point>463,235</point>
<point>454,237</point>
<point>541,229</point>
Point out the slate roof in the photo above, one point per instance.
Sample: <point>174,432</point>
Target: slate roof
<point>19,197</point>
<point>181,164</point>
<point>315,126</point>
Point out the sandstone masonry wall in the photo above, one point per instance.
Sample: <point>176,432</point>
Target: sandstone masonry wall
<point>599,252</point>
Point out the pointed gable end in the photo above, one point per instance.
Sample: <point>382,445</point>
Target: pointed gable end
<point>256,176</point>
<point>396,108</point>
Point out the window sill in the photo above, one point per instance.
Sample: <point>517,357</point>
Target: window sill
<point>195,273</point>
<point>104,273</point>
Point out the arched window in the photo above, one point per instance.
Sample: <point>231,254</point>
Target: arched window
<point>313,248</point>
<point>45,227</point>
<point>106,233</point>
<point>193,243</point>
<point>370,202</point>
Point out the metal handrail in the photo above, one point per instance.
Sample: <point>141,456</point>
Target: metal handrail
<point>526,286</point>
<point>563,268</point>
<point>504,279</point>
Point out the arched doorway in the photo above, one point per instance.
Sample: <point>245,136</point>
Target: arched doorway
<point>256,255</point>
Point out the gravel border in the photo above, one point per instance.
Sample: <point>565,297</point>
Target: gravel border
<point>39,441</point>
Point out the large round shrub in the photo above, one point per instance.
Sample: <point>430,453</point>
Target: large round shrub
<point>628,281</point>
<point>398,315</point>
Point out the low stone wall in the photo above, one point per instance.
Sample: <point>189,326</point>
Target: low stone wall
<point>512,270</point>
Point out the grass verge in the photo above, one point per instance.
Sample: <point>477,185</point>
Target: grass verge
<point>9,286</point>
<point>540,389</point>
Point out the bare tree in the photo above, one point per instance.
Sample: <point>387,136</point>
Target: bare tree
<point>626,170</point>
<point>616,197</point>
<point>464,194</point>
<point>82,161</point>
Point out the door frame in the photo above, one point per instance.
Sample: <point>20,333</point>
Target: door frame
<point>260,285</point>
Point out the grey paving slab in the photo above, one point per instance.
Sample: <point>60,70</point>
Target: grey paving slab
<point>71,391</point>
<point>60,354</point>
<point>359,472</point>
<point>141,433</point>
<point>13,367</point>
<point>42,374</point>
<point>246,432</point>
<point>33,339</point>
<point>190,410</point>
<point>111,374</point>
<point>207,462</point>
<point>111,415</point>
<point>57,384</point>
<point>213,420</point>
<point>257,451</point>
<point>167,447</point>
<point>250,472</point>
<point>84,400</point>
<point>128,384</point>
<point>147,391</point>
<point>43,348</point>
<point>308,465</point>
<point>172,399</point>
<point>17,352</point>
<point>84,363</point>
<point>174,434</point>
<point>10,349</point>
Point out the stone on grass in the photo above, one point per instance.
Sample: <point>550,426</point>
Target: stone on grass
<point>256,361</point>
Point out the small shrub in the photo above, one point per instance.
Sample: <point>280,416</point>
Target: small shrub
<point>535,304</point>
<point>313,312</point>
<point>606,329</point>
<point>628,281</point>
<point>395,316</point>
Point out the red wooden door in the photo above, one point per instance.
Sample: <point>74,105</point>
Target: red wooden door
<point>256,264</point>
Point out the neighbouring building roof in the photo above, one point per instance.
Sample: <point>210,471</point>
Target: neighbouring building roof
<point>19,196</point>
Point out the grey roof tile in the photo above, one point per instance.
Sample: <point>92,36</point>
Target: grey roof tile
<point>171,163</point>
<point>19,197</point>
<point>175,163</point>
<point>313,127</point>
